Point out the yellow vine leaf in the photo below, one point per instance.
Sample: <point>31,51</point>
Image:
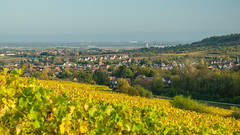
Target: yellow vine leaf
<point>62,128</point>
<point>83,129</point>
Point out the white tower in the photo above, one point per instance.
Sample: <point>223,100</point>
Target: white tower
<point>146,45</point>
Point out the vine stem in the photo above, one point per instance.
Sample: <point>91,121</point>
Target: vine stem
<point>2,127</point>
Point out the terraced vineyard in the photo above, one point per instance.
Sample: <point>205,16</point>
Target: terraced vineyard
<point>54,107</point>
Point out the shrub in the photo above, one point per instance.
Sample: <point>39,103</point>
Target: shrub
<point>143,92</point>
<point>188,104</point>
<point>236,112</point>
<point>149,94</point>
<point>123,86</point>
<point>133,91</point>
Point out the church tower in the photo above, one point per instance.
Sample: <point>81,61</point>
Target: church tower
<point>146,45</point>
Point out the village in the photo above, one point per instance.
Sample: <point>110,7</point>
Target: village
<point>57,61</point>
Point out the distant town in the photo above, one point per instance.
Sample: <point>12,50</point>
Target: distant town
<point>60,58</point>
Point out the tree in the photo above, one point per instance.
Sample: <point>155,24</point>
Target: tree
<point>142,83</point>
<point>85,77</point>
<point>149,62</point>
<point>101,78</point>
<point>124,72</point>
<point>187,63</point>
<point>151,73</point>
<point>66,73</point>
<point>142,71</point>
<point>36,74</point>
<point>57,61</point>
<point>174,70</point>
<point>202,61</point>
<point>123,85</point>
<point>44,74</point>
<point>157,85</point>
<point>132,91</point>
<point>74,59</point>
<point>143,61</point>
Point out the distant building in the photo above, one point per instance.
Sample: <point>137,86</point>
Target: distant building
<point>154,45</point>
<point>166,81</point>
<point>133,42</point>
<point>10,54</point>
<point>100,62</point>
<point>146,45</point>
<point>237,59</point>
<point>148,80</point>
<point>104,67</point>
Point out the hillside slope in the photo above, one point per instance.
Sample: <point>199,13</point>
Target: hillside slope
<point>55,107</point>
<point>203,45</point>
<point>225,40</point>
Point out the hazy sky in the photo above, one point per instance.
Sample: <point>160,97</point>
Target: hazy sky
<point>117,20</point>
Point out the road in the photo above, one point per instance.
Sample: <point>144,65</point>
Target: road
<point>210,102</point>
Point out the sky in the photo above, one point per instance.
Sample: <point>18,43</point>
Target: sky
<point>116,20</point>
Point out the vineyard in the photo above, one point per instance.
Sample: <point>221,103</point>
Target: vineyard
<point>29,106</point>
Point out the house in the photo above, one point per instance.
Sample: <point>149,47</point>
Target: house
<point>167,67</point>
<point>104,67</point>
<point>129,60</point>
<point>210,67</point>
<point>61,65</point>
<point>56,69</point>
<point>70,64</point>
<point>37,68</point>
<point>10,54</point>
<point>123,61</point>
<point>155,65</point>
<point>148,80</point>
<point>47,65</point>
<point>181,65</point>
<point>113,81</point>
<point>140,76</point>
<point>166,81</point>
<point>112,57</point>
<point>124,56</point>
<point>195,63</point>
<point>228,66</point>
<point>174,64</point>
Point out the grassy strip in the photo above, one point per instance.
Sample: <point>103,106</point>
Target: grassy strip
<point>188,104</point>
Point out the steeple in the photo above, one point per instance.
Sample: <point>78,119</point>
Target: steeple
<point>146,45</point>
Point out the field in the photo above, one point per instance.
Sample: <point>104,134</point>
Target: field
<point>59,107</point>
<point>11,59</point>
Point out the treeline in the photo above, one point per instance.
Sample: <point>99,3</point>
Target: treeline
<point>226,40</point>
<point>202,83</point>
<point>198,82</point>
<point>99,77</point>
